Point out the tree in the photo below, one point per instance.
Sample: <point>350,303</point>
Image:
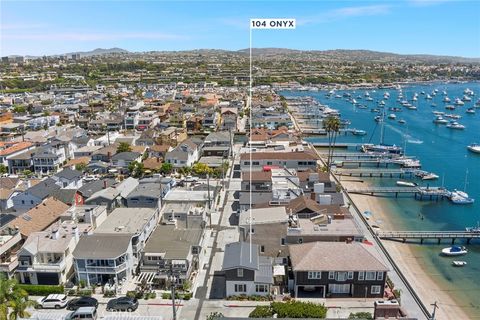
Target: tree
<point>13,300</point>
<point>3,168</point>
<point>19,109</point>
<point>124,147</point>
<point>166,168</point>
<point>201,169</point>
<point>81,167</point>
<point>189,100</point>
<point>27,173</point>
<point>136,169</point>
<point>332,125</point>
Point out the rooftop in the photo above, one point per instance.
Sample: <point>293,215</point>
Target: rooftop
<point>126,220</point>
<point>102,246</point>
<point>172,242</point>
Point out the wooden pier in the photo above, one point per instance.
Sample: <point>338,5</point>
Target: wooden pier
<point>337,145</point>
<point>404,236</point>
<point>420,193</point>
<point>359,155</point>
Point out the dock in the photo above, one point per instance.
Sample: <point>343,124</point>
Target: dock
<point>337,145</point>
<point>420,193</point>
<point>359,155</point>
<point>404,236</point>
<point>385,173</point>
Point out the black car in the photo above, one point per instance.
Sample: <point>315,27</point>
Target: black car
<point>122,304</point>
<point>76,303</point>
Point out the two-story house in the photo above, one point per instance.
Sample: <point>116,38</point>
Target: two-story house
<point>337,269</point>
<point>68,179</point>
<point>297,160</point>
<point>246,273</point>
<point>172,249</point>
<point>34,195</point>
<point>184,155</point>
<point>49,158</point>
<point>229,119</point>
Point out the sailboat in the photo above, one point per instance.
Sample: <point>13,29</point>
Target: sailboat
<point>461,197</point>
<point>382,148</point>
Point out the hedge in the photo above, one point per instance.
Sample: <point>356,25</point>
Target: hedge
<point>291,309</point>
<point>41,290</point>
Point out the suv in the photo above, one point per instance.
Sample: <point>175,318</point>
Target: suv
<point>83,313</point>
<point>74,304</point>
<point>56,301</point>
<point>122,304</point>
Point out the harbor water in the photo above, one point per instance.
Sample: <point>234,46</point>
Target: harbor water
<point>442,151</point>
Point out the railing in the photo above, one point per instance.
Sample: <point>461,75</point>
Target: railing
<point>105,269</point>
<point>52,266</point>
<point>8,265</point>
<point>427,234</point>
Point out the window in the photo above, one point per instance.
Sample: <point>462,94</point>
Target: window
<point>255,163</point>
<point>261,288</point>
<point>282,241</point>
<point>300,240</point>
<point>350,275</point>
<point>341,276</point>
<point>31,201</point>
<point>380,275</point>
<point>240,273</point>
<point>361,275</point>
<point>314,275</point>
<point>23,201</point>
<point>262,249</point>
<point>253,231</point>
<point>240,287</point>
<point>370,275</point>
<point>331,275</point>
<point>375,289</point>
<point>247,163</point>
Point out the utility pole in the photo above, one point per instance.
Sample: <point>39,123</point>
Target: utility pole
<point>435,306</point>
<point>209,205</point>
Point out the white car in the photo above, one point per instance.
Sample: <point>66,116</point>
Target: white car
<point>54,301</point>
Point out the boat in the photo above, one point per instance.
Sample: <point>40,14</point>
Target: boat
<point>474,229</point>
<point>433,105</point>
<point>455,125</point>
<point>474,147</point>
<point>440,120</point>
<point>466,99</point>
<point>450,107</point>
<point>459,102</point>
<point>453,116</point>
<point>428,97</point>
<point>461,197</point>
<point>406,184</point>
<point>424,175</point>
<point>381,103</point>
<point>401,121</point>
<point>369,99</point>
<point>471,111</point>
<point>446,99</point>
<point>459,263</point>
<point>438,113</point>
<point>382,148</point>
<point>392,116</point>
<point>454,251</point>
<point>357,132</point>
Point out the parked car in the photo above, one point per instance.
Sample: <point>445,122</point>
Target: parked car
<point>76,303</point>
<point>83,313</point>
<point>122,304</point>
<point>56,301</point>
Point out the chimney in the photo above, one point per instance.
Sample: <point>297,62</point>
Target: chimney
<point>104,184</point>
<point>55,233</point>
<point>75,233</point>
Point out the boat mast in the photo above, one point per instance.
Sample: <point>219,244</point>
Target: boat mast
<point>382,128</point>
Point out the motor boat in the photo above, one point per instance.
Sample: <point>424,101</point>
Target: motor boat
<point>459,263</point>
<point>406,184</point>
<point>459,102</point>
<point>440,120</point>
<point>474,147</point>
<point>455,125</point>
<point>446,99</point>
<point>460,197</point>
<point>454,251</point>
<point>471,111</point>
<point>392,116</point>
<point>357,132</point>
<point>401,121</point>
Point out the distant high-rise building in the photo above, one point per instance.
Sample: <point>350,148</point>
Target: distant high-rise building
<point>76,56</point>
<point>4,59</point>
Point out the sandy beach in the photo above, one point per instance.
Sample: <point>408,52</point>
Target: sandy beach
<point>413,267</point>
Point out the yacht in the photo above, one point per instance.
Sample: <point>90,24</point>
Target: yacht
<point>466,98</point>
<point>453,116</point>
<point>454,251</point>
<point>444,92</point>
<point>401,121</point>
<point>392,116</point>
<point>468,92</point>
<point>366,94</point>
<point>474,147</point>
<point>357,132</point>
<point>459,102</point>
<point>369,99</point>
<point>428,97</point>
<point>446,99</point>
<point>460,197</point>
<point>471,110</point>
<point>382,148</point>
<point>381,103</point>
<point>450,107</point>
<point>424,175</point>
<point>455,125</point>
<point>459,263</point>
<point>440,120</point>
<point>438,113</point>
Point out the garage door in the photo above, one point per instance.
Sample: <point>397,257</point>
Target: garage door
<point>47,278</point>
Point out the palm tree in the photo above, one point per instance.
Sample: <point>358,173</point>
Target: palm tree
<point>331,124</point>
<point>13,300</point>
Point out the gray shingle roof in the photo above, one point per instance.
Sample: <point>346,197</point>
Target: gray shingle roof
<point>44,188</point>
<point>175,243</point>
<point>69,174</point>
<point>87,190</point>
<point>98,246</point>
<point>147,190</point>
<point>237,255</point>
<point>128,156</point>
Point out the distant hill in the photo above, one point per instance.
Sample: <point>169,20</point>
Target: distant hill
<point>98,51</point>
<point>359,55</point>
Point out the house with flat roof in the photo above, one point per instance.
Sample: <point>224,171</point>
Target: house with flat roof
<point>337,269</point>
<point>172,248</point>
<point>299,160</point>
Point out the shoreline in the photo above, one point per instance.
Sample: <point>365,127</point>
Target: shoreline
<point>409,262</point>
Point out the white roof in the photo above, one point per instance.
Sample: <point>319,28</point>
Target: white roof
<point>264,215</point>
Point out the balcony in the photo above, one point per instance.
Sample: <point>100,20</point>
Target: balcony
<point>8,264</point>
<point>105,269</point>
<point>58,266</point>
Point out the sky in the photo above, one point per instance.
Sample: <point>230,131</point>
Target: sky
<point>441,27</point>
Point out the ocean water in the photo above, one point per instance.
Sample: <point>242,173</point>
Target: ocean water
<point>441,150</point>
